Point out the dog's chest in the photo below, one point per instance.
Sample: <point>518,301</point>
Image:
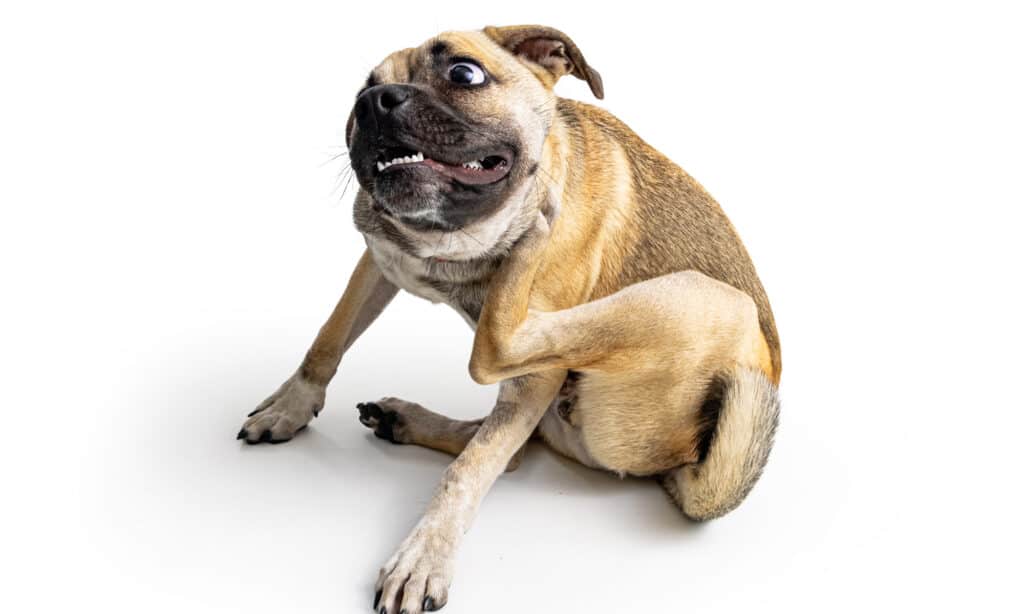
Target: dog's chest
<point>460,285</point>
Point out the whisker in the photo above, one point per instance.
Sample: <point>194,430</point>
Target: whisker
<point>348,182</point>
<point>334,157</point>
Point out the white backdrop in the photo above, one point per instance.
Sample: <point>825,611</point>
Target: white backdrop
<point>173,237</point>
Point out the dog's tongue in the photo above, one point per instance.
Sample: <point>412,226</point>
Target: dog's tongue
<point>469,176</point>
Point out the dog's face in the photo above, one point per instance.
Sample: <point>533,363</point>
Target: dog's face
<point>448,135</point>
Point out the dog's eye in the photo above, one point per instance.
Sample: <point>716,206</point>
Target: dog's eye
<point>466,73</point>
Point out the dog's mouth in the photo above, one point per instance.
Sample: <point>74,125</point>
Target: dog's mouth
<point>479,171</point>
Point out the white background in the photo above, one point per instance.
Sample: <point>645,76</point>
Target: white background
<point>172,238</point>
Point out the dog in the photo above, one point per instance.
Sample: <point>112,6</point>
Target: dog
<point>609,294</point>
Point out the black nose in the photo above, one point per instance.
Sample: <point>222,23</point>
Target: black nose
<point>381,100</point>
<point>390,96</point>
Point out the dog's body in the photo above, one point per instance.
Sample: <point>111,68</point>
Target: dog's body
<point>610,295</point>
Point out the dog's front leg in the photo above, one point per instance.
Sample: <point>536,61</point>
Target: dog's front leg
<point>417,577</point>
<point>301,397</point>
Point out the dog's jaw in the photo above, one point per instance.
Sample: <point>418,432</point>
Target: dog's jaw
<point>481,171</point>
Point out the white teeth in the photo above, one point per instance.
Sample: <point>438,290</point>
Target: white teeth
<point>475,165</point>
<point>417,157</point>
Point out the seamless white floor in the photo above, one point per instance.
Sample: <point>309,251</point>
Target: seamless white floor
<point>172,239</point>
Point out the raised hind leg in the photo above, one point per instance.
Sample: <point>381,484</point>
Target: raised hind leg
<point>645,342</point>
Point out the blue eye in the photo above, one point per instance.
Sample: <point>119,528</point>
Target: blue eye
<point>466,73</point>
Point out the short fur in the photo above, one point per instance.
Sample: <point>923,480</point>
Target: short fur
<point>737,451</point>
<point>610,295</point>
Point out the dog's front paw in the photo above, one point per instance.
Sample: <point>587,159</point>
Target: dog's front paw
<point>284,413</point>
<point>417,577</point>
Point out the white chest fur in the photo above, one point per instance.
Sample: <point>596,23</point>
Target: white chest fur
<point>410,274</point>
<point>403,270</point>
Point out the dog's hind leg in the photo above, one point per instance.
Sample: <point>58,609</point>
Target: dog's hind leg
<point>400,421</point>
<point>404,422</point>
<point>703,331</point>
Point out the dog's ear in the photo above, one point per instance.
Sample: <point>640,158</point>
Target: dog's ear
<point>549,48</point>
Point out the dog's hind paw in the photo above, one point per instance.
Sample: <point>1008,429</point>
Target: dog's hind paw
<point>386,423</point>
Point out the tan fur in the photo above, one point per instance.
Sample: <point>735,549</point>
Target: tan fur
<point>605,265</point>
<point>649,351</point>
<point>744,436</point>
<point>301,397</point>
<point>401,421</point>
<point>365,285</point>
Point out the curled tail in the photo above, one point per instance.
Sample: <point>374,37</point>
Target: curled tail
<point>738,449</point>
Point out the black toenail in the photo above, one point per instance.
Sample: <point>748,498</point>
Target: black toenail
<point>242,434</point>
<point>376,599</point>
<point>383,610</point>
<point>265,437</point>
<point>428,604</point>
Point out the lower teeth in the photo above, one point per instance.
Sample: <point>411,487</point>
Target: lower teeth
<point>485,164</point>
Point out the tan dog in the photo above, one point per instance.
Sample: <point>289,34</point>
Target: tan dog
<point>610,295</point>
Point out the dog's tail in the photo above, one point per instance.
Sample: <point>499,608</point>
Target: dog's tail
<point>736,452</point>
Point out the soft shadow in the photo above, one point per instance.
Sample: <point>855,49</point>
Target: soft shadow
<point>546,470</point>
<point>331,443</point>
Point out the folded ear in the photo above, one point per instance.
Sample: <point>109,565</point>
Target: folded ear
<point>551,49</point>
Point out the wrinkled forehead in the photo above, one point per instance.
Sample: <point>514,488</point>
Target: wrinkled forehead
<point>412,64</point>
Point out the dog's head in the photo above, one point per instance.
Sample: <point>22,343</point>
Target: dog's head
<point>448,136</point>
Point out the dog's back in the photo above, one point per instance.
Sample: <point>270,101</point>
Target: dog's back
<point>672,224</point>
